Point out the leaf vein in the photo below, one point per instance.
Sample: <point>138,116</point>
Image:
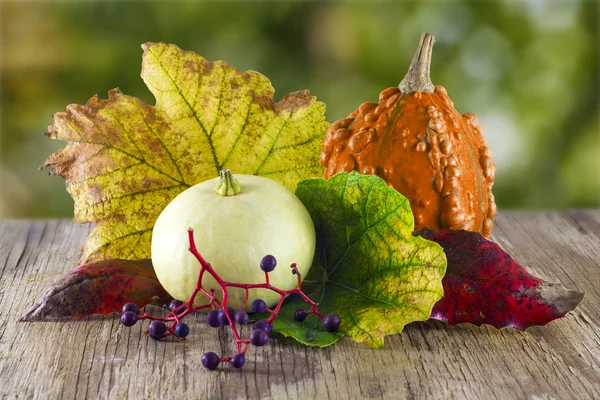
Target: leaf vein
<point>285,122</point>
<point>192,110</point>
<point>157,136</point>
<point>237,139</point>
<point>350,246</point>
<point>112,241</point>
<point>298,144</point>
<point>134,194</point>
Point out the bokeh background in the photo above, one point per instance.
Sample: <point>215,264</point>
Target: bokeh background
<point>528,69</point>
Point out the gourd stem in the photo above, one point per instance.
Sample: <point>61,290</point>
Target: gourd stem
<point>417,78</point>
<point>228,185</point>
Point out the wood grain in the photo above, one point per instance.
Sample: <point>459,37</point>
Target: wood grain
<point>98,358</point>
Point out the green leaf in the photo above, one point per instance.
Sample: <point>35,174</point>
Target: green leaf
<point>126,160</point>
<point>309,332</point>
<point>369,268</point>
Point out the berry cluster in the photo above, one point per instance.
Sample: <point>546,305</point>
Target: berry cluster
<point>223,315</point>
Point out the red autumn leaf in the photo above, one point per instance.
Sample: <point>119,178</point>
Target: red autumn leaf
<point>98,288</point>
<point>485,285</point>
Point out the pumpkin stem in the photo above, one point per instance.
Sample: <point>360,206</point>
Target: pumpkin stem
<point>417,78</point>
<point>228,185</point>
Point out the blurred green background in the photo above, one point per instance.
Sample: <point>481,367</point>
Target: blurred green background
<point>528,69</point>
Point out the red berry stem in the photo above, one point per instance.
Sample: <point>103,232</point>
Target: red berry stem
<point>179,312</point>
<point>245,299</point>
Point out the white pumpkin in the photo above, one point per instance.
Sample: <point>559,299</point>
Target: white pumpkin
<point>236,222</point>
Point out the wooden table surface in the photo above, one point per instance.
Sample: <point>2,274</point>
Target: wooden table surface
<point>99,358</point>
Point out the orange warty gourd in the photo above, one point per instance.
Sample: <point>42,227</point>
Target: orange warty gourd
<point>421,146</point>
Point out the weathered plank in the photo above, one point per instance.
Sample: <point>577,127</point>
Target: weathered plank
<point>98,358</point>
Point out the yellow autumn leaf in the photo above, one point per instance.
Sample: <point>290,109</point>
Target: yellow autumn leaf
<point>126,160</point>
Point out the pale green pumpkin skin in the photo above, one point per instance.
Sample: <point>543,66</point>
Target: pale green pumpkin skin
<point>233,233</point>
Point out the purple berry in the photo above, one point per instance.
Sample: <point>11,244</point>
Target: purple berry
<point>300,315</point>
<point>210,360</point>
<point>258,306</point>
<point>263,325</point>
<point>268,263</point>
<point>258,337</point>
<point>331,322</point>
<point>238,360</point>
<point>157,330</point>
<point>182,330</point>
<point>212,319</point>
<point>223,318</point>
<point>130,307</point>
<point>174,304</point>
<point>241,317</point>
<point>129,318</point>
